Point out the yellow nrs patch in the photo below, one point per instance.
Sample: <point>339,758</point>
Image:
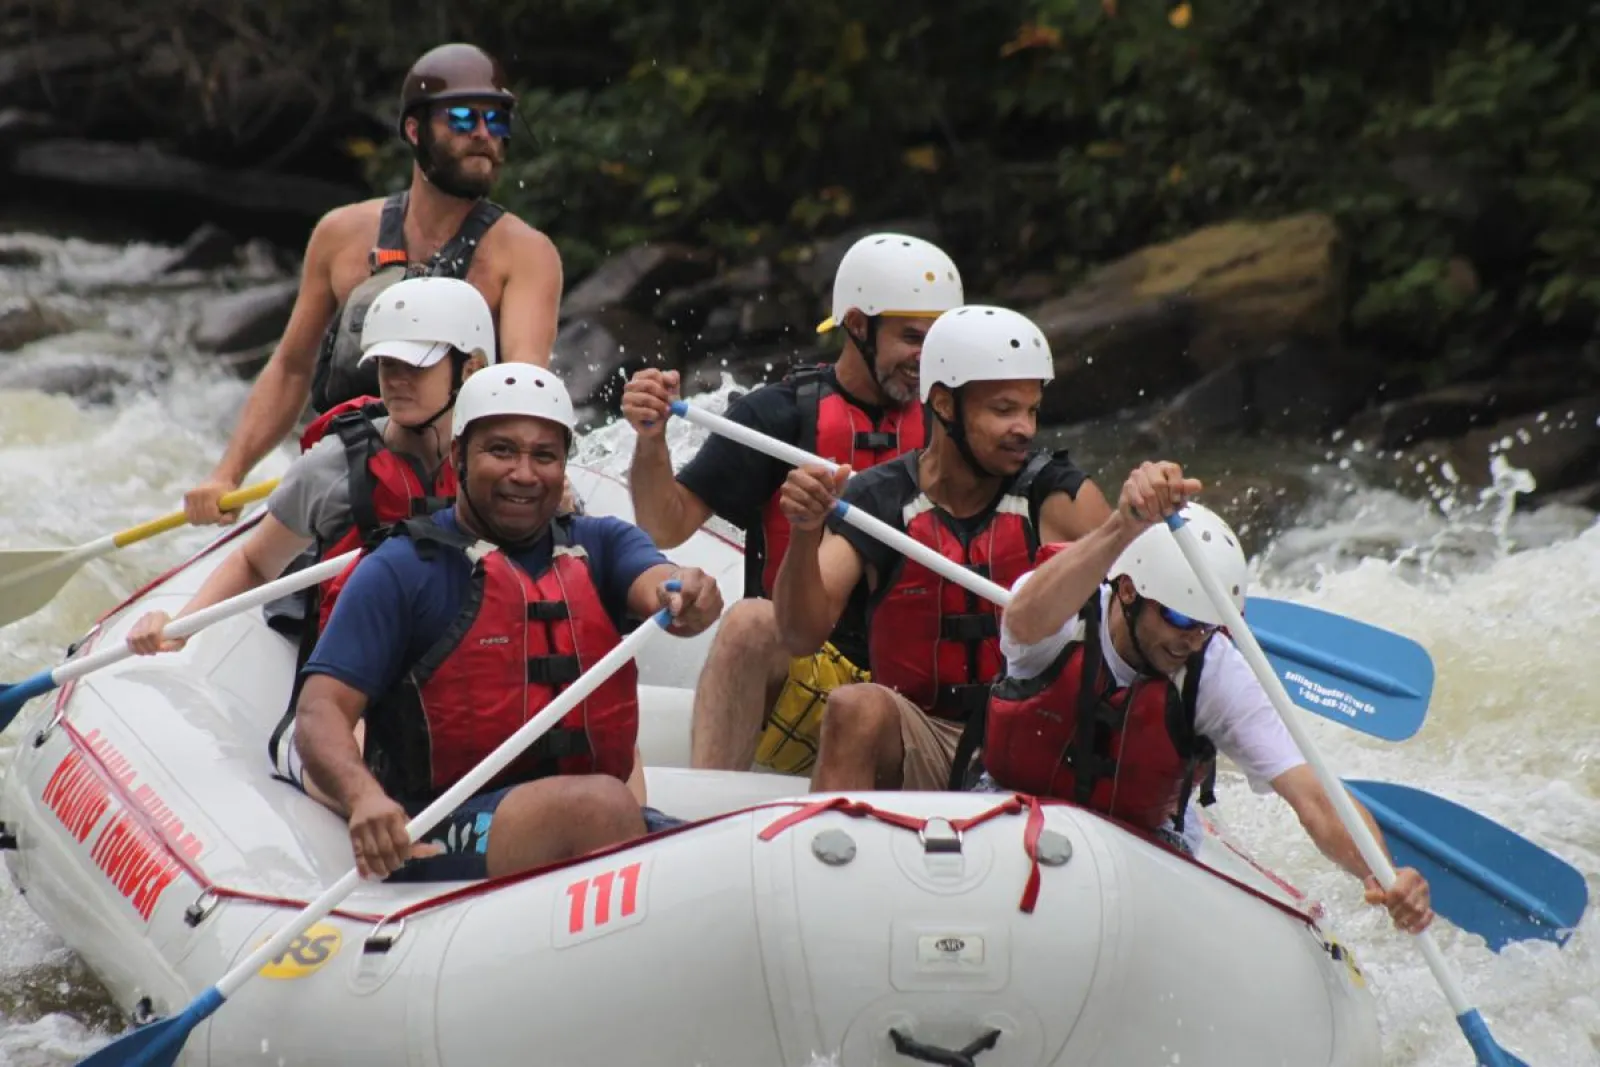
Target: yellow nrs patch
<point>1339,952</point>
<point>306,953</point>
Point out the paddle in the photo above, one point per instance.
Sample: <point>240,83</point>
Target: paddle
<point>14,696</point>
<point>1489,1053</point>
<point>1389,703</point>
<point>158,1043</point>
<point>1484,877</point>
<point>31,577</point>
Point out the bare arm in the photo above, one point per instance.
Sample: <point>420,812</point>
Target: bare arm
<point>1067,518</point>
<point>663,507</point>
<point>814,582</point>
<point>530,303</point>
<point>1304,793</point>
<point>696,605</point>
<point>1059,589</point>
<point>324,725</point>
<point>270,548</point>
<point>281,390</point>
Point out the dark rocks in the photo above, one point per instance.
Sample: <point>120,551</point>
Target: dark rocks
<point>135,170</point>
<point>1148,324</point>
<point>208,248</point>
<point>638,277</point>
<point>597,352</point>
<point>25,321</point>
<point>245,319</point>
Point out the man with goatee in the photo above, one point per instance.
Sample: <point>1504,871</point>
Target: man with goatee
<point>455,113</point>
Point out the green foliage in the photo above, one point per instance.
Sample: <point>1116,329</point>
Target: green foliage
<point>1457,141</point>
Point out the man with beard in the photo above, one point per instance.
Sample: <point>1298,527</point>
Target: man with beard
<point>753,701</point>
<point>981,496</point>
<point>455,113</point>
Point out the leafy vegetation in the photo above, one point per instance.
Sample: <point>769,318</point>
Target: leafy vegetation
<point>1457,141</point>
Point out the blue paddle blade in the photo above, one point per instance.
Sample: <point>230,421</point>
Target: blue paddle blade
<point>159,1043</point>
<point>1489,1052</point>
<point>12,697</point>
<point>1360,675</point>
<point>1483,877</point>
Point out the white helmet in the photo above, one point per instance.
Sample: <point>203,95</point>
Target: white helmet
<point>892,274</point>
<point>983,344</point>
<point>418,320</point>
<point>513,389</point>
<point>1161,571</point>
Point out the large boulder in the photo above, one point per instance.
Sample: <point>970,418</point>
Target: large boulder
<point>637,277</point>
<point>597,352</point>
<point>24,321</point>
<point>1148,324</point>
<point>246,319</point>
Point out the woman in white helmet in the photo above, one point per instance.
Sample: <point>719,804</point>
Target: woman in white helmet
<point>452,633</point>
<point>758,702</point>
<point>980,494</point>
<point>1119,696</point>
<point>369,462</point>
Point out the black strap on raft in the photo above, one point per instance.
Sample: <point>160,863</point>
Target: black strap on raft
<point>911,1048</point>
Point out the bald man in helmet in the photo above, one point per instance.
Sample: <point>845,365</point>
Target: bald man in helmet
<point>455,113</point>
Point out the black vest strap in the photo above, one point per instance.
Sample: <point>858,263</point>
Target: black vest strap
<point>391,233</point>
<point>454,258</point>
<point>808,392</point>
<point>361,441</point>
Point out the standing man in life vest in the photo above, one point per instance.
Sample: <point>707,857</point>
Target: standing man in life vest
<point>449,636</point>
<point>455,113</point>
<point>1119,696</point>
<point>754,700</point>
<point>979,494</point>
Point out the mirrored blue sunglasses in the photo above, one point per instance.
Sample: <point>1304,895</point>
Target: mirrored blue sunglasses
<point>463,119</point>
<point>1178,620</point>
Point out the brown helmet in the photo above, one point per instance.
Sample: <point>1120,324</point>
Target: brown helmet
<point>454,72</point>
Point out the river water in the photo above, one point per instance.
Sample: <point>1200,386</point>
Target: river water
<point>1504,601</point>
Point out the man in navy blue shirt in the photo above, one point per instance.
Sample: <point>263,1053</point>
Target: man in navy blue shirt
<point>458,629</point>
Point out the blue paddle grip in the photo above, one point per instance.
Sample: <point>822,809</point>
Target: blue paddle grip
<point>663,618</point>
<point>840,508</point>
<point>1175,521</point>
<point>679,407</point>
<point>12,697</point>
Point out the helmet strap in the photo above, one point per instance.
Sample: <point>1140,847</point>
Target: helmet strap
<point>956,430</point>
<point>1130,614</point>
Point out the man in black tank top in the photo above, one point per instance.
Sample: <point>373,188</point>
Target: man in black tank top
<point>455,113</point>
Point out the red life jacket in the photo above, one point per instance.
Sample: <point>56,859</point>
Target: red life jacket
<point>837,430</point>
<point>931,640</point>
<point>1131,753</point>
<point>386,487</point>
<point>517,642</point>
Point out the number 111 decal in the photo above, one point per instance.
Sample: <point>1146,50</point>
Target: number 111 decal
<point>600,904</point>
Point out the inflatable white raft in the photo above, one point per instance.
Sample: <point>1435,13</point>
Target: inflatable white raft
<point>890,929</point>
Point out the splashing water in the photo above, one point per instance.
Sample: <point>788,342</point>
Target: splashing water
<point>1503,600</point>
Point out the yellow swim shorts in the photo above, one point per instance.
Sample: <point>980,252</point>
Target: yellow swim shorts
<point>788,745</point>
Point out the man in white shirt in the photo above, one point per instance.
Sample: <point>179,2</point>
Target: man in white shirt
<point>1164,693</point>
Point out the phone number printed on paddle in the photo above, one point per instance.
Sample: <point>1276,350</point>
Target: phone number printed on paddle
<point>1325,696</point>
<point>601,904</point>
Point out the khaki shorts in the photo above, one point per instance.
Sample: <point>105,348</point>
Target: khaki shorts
<point>789,743</point>
<point>930,747</point>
